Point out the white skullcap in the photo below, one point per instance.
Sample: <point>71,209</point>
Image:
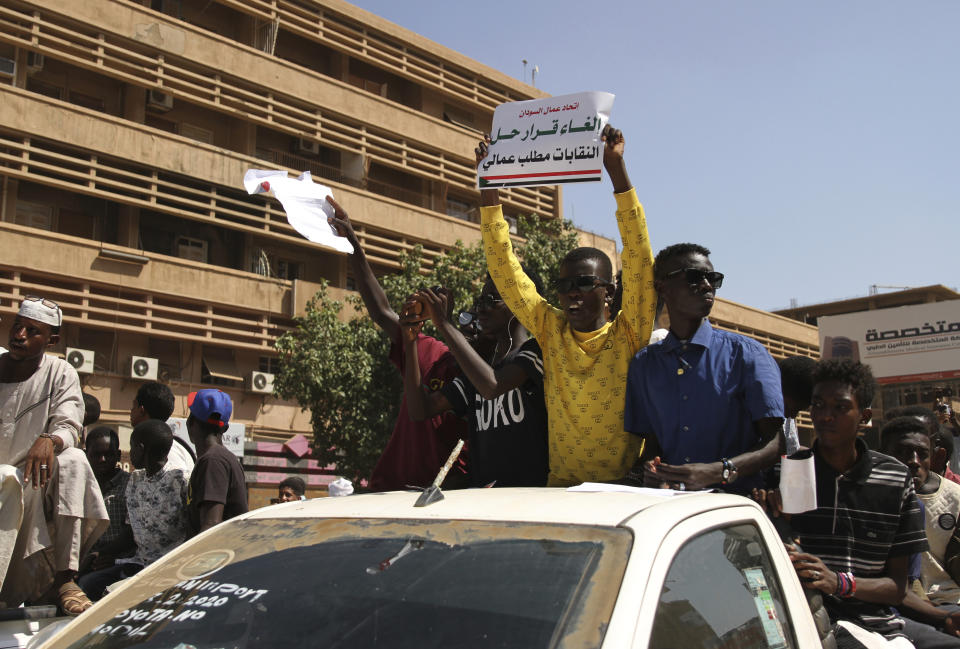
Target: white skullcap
<point>41,311</point>
<point>340,487</point>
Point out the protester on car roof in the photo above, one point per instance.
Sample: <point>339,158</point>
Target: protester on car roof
<point>416,450</point>
<point>500,396</point>
<point>54,513</point>
<point>585,356</point>
<point>707,402</point>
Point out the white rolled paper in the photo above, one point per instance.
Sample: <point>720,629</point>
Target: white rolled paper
<point>798,485</point>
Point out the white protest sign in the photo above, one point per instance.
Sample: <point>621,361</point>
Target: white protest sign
<point>546,141</point>
<point>304,202</point>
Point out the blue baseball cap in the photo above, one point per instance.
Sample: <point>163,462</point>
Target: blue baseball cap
<point>211,406</point>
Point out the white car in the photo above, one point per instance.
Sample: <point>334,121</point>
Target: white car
<point>481,568</point>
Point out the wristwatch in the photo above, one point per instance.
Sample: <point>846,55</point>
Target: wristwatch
<point>729,472</point>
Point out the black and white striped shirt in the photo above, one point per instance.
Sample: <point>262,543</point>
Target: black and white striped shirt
<point>864,517</point>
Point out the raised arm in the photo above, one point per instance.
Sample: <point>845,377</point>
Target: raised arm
<point>489,383</point>
<point>639,304</point>
<point>514,286</point>
<point>421,405</point>
<point>370,290</point>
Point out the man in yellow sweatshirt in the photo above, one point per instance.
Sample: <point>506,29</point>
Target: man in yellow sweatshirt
<point>585,356</point>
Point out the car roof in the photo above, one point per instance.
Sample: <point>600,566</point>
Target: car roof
<point>537,505</point>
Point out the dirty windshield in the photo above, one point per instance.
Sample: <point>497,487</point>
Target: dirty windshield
<point>354,583</point>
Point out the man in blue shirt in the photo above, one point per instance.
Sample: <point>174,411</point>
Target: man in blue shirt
<point>707,402</point>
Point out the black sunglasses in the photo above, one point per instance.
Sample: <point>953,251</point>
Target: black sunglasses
<point>696,275</point>
<point>465,318</point>
<point>582,283</point>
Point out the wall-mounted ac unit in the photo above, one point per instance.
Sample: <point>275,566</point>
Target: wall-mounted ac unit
<point>191,248</point>
<point>8,67</point>
<point>260,382</point>
<point>158,101</point>
<point>35,62</point>
<point>303,145</point>
<point>143,368</point>
<point>80,359</point>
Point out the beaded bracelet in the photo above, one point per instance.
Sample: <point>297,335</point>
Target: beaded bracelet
<point>846,584</point>
<point>57,447</point>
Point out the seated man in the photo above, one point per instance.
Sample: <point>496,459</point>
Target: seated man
<point>103,452</point>
<point>855,546</point>
<point>156,506</point>
<point>707,402</point>
<point>47,483</point>
<point>908,440</point>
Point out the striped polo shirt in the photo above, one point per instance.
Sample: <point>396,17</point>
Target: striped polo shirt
<point>864,516</point>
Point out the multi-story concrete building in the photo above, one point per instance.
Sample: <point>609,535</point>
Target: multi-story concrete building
<point>125,130</point>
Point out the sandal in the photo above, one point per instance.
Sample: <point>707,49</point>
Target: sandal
<point>73,601</point>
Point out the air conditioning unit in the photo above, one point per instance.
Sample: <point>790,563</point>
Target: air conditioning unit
<point>8,67</point>
<point>35,62</point>
<point>260,382</point>
<point>143,368</point>
<point>80,359</point>
<point>191,248</point>
<point>158,101</point>
<point>303,145</point>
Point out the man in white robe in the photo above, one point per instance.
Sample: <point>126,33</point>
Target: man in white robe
<point>51,509</point>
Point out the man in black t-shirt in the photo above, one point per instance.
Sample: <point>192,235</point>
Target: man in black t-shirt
<point>217,490</point>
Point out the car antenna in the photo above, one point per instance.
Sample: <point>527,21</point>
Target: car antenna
<point>432,493</point>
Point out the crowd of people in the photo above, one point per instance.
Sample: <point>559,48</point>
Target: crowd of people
<point>545,396</point>
<point>72,522</point>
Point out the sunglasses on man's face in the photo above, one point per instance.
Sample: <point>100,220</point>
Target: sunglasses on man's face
<point>582,283</point>
<point>466,318</point>
<point>694,276</point>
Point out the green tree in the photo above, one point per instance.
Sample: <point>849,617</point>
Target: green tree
<point>341,370</point>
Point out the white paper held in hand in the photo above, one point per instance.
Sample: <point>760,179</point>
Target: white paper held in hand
<point>304,202</point>
<point>798,483</point>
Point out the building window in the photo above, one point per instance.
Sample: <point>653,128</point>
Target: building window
<point>87,101</point>
<point>35,215</point>
<point>219,367</point>
<point>460,209</point>
<point>270,364</point>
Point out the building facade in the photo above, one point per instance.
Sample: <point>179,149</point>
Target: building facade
<point>125,130</point>
<point>899,387</point>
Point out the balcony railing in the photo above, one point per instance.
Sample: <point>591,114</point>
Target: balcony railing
<point>128,61</point>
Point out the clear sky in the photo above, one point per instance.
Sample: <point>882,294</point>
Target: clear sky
<point>812,146</point>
